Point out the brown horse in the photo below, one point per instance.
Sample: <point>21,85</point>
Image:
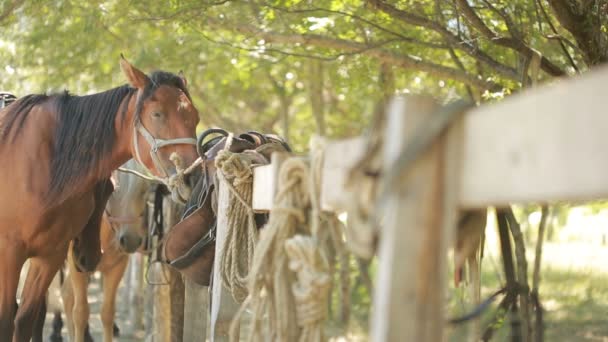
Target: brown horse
<point>122,232</point>
<point>56,151</point>
<point>74,293</point>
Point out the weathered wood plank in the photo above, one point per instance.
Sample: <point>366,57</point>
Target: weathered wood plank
<point>195,312</point>
<point>136,291</point>
<point>408,299</point>
<point>173,213</point>
<point>340,156</point>
<point>265,183</point>
<point>545,144</point>
<point>223,306</point>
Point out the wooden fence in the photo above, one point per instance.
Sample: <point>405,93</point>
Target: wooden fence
<point>547,144</point>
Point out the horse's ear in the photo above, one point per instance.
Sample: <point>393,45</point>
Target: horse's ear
<point>135,76</point>
<point>184,80</point>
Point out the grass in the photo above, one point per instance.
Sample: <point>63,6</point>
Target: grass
<point>573,292</point>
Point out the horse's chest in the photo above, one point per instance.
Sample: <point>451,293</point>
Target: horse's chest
<point>58,226</point>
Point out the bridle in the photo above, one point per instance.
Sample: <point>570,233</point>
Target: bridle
<point>155,145</point>
<point>173,182</point>
<point>115,221</point>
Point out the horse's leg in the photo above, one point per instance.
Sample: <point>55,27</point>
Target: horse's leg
<point>86,249</point>
<point>54,304</point>
<point>11,261</point>
<point>57,325</point>
<point>41,273</point>
<point>111,280</point>
<point>67,294</point>
<point>80,307</point>
<point>39,322</point>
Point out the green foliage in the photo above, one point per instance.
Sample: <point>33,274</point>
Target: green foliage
<point>240,78</point>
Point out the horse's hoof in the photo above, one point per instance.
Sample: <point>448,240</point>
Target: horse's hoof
<point>116,331</point>
<point>55,337</point>
<point>87,335</point>
<point>57,325</point>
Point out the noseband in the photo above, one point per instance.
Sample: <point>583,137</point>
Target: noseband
<point>173,182</point>
<point>118,220</point>
<point>155,144</point>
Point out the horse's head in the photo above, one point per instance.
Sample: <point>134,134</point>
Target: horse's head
<point>126,207</point>
<point>164,125</point>
<point>130,236</point>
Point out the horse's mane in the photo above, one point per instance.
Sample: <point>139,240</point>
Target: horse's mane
<point>85,133</point>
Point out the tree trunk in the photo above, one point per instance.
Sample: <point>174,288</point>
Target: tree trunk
<point>522,274</point>
<point>387,81</point>
<point>285,104</point>
<point>316,95</point>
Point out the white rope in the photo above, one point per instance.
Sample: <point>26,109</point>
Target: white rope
<point>234,171</point>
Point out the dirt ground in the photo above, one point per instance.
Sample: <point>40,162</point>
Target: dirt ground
<point>127,332</point>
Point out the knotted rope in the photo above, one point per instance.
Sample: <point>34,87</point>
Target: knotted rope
<point>234,171</point>
<point>327,230</point>
<point>311,291</point>
<point>270,280</point>
<point>290,277</point>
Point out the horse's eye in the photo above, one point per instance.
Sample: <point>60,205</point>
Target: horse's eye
<point>157,115</point>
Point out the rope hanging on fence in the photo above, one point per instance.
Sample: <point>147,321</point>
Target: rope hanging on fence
<point>326,228</point>
<point>234,171</point>
<point>270,280</point>
<point>291,273</point>
<point>311,290</point>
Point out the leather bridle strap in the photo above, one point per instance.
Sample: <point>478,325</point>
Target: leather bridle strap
<point>195,251</point>
<point>155,144</point>
<point>118,220</point>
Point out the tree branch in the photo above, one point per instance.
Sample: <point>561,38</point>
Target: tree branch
<point>453,54</point>
<point>368,22</point>
<point>580,21</point>
<point>346,46</point>
<point>512,43</point>
<point>561,42</point>
<point>508,20</point>
<point>450,37</point>
<point>10,8</point>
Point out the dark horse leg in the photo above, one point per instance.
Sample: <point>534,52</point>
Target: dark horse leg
<point>41,273</point>
<point>39,323</point>
<point>86,247</point>
<point>57,325</point>
<point>11,261</point>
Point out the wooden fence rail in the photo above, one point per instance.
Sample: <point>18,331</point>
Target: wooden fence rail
<point>546,144</point>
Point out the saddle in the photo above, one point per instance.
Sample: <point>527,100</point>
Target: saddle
<point>189,246</point>
<point>6,98</point>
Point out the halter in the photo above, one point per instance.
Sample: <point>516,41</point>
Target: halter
<point>174,181</point>
<point>156,144</point>
<point>119,220</point>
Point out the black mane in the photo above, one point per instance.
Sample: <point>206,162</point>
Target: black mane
<point>85,132</point>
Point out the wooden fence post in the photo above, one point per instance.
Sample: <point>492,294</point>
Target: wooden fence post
<point>196,309</point>
<point>223,306</point>
<point>136,291</point>
<point>176,283</point>
<point>409,295</point>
